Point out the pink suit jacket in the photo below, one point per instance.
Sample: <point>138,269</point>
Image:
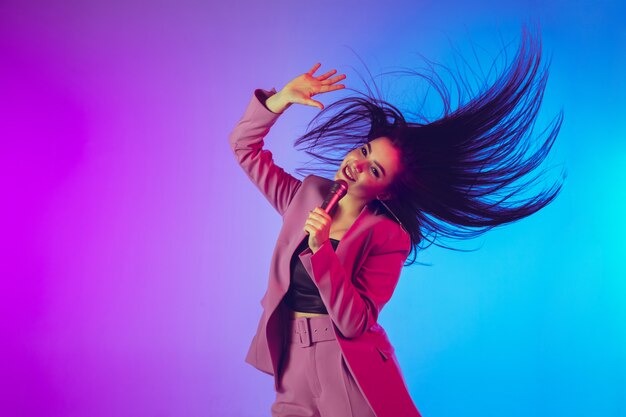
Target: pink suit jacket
<point>355,282</point>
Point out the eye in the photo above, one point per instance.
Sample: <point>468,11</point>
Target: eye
<point>374,170</point>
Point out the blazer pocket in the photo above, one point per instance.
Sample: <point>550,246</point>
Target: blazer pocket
<point>385,351</point>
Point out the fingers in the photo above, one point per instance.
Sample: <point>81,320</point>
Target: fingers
<point>328,74</point>
<point>309,102</point>
<point>318,218</point>
<point>334,79</point>
<point>315,67</point>
<point>315,103</point>
<point>311,226</point>
<point>317,226</point>
<point>318,214</point>
<point>327,84</point>
<point>323,77</point>
<point>327,88</point>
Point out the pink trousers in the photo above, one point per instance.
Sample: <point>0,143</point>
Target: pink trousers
<point>315,380</point>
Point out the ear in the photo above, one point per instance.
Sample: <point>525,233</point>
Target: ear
<point>384,196</point>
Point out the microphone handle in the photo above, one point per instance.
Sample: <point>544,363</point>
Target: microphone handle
<point>337,191</point>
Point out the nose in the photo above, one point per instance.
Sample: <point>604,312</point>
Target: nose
<point>358,165</point>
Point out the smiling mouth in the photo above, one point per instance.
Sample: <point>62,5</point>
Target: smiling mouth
<point>348,174</point>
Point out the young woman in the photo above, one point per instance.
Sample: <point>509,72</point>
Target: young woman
<point>408,183</point>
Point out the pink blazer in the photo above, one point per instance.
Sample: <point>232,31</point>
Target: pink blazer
<point>355,282</point>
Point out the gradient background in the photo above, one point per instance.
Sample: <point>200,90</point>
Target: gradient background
<point>127,289</point>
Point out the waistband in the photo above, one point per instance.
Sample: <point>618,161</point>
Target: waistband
<point>305,331</point>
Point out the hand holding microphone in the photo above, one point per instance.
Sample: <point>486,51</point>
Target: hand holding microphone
<point>319,221</point>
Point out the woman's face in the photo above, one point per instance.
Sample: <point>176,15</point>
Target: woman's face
<point>370,169</point>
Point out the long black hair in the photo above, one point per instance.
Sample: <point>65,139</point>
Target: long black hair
<point>469,170</point>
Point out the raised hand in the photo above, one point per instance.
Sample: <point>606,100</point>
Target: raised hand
<point>303,87</point>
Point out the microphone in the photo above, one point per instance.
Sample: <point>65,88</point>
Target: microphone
<point>336,193</point>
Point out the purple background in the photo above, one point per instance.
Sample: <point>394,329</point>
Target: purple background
<point>128,289</point>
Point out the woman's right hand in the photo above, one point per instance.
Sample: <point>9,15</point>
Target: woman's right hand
<point>302,88</point>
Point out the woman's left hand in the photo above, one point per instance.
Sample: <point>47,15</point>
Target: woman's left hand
<point>318,228</point>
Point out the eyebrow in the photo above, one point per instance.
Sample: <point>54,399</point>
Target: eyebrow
<point>369,149</point>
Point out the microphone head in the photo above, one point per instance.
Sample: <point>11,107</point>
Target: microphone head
<point>340,187</point>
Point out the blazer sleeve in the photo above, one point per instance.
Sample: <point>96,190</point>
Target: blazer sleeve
<point>354,305</point>
<point>247,140</point>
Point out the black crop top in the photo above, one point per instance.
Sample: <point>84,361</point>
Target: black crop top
<point>303,294</point>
